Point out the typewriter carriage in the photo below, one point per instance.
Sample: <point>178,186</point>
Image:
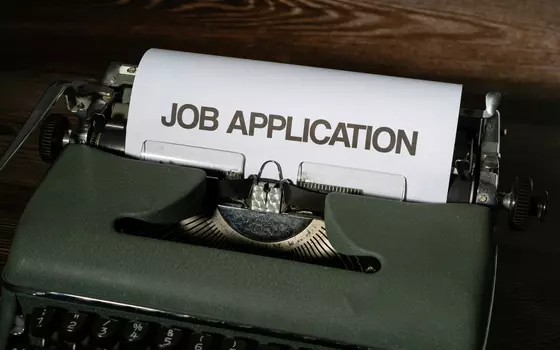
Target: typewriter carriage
<point>100,112</point>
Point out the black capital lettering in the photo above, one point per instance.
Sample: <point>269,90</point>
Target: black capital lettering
<point>253,122</point>
<point>208,114</point>
<point>289,136</point>
<point>312,131</point>
<point>340,134</point>
<point>180,116</point>
<point>368,137</point>
<point>403,138</point>
<point>172,118</point>
<point>375,140</point>
<point>355,133</point>
<point>305,137</point>
<point>237,122</point>
<point>272,126</point>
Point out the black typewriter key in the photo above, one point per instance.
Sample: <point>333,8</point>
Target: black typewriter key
<point>42,325</point>
<point>42,322</point>
<point>235,344</point>
<point>74,327</point>
<point>168,338</point>
<point>135,335</point>
<point>105,333</point>
<point>199,341</point>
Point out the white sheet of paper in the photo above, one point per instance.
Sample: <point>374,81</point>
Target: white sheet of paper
<point>230,86</point>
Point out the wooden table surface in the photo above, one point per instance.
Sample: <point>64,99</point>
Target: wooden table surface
<point>511,46</point>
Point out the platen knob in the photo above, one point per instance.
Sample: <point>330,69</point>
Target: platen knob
<point>522,203</point>
<point>51,139</point>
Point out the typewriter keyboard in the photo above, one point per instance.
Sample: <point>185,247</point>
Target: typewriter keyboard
<point>55,328</point>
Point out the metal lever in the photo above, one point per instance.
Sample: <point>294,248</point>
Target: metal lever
<point>493,100</point>
<point>486,193</point>
<point>48,99</point>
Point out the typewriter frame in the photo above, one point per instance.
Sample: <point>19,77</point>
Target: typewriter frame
<point>71,217</point>
<point>66,244</point>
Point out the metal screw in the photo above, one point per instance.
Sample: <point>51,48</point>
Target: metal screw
<point>131,70</point>
<point>112,79</point>
<point>483,198</point>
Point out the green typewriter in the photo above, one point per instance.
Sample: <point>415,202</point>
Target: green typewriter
<point>120,252</point>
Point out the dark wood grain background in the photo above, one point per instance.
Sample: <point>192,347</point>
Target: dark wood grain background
<point>512,46</point>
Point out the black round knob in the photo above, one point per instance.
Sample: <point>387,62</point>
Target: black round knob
<point>51,138</point>
<point>520,202</point>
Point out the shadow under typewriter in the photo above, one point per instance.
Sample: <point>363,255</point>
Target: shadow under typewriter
<point>287,236</point>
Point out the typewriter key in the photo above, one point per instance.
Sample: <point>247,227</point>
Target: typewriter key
<point>136,335</point>
<point>234,344</point>
<point>74,327</point>
<point>105,333</point>
<point>168,338</point>
<point>200,342</point>
<point>42,325</point>
<point>42,322</point>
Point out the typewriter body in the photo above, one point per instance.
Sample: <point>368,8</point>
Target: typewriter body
<point>115,253</point>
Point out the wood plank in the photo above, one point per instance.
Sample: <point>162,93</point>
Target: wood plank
<point>490,45</point>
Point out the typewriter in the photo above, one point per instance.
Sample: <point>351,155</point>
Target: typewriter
<point>114,252</point>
